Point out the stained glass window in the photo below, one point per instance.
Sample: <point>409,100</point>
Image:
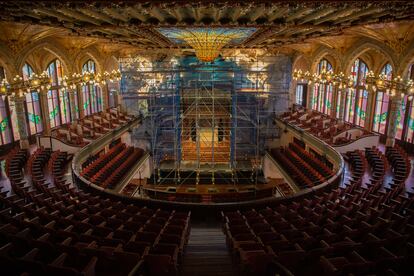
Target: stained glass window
<point>381,112</point>
<point>27,71</point>
<point>322,93</point>
<point>57,96</point>
<point>357,97</point>
<point>382,104</point>
<point>92,94</point>
<point>299,94</point>
<point>33,111</point>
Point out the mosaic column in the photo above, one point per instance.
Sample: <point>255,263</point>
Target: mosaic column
<point>343,104</point>
<point>310,97</point>
<point>105,96</point>
<point>21,121</point>
<point>334,101</point>
<point>73,105</point>
<point>370,110</point>
<point>392,123</point>
<point>80,101</point>
<point>45,112</point>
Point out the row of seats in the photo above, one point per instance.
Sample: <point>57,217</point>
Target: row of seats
<point>321,125</point>
<point>48,230</point>
<point>400,162</point>
<point>57,167</point>
<point>355,229</point>
<point>306,170</point>
<point>115,168</point>
<point>91,127</point>
<point>96,165</point>
<point>358,166</point>
<point>316,164</point>
<point>16,159</point>
<point>379,166</point>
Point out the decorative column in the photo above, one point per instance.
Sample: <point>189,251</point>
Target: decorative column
<point>343,104</point>
<point>72,102</point>
<point>334,101</point>
<point>80,101</point>
<point>392,123</point>
<point>370,109</point>
<point>21,120</point>
<point>45,112</point>
<point>310,95</point>
<point>105,96</point>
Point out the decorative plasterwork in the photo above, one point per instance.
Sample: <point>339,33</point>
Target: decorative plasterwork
<point>132,22</point>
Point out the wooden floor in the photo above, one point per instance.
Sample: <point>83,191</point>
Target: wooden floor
<point>206,252</point>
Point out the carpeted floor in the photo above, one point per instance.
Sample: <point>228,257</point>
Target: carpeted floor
<point>206,252</point>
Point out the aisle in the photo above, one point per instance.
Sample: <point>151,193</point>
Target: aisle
<point>206,252</point>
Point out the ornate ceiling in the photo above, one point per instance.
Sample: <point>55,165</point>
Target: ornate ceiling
<point>278,23</point>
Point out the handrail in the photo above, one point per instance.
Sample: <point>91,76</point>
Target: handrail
<point>311,140</point>
<point>329,151</point>
<point>357,139</point>
<point>128,176</point>
<point>287,177</point>
<point>57,139</point>
<point>96,145</point>
<point>353,127</point>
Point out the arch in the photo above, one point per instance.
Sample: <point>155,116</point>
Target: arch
<point>330,55</point>
<point>111,63</point>
<point>300,61</point>
<point>364,46</point>
<point>7,62</point>
<point>51,46</point>
<point>90,53</point>
<point>406,61</point>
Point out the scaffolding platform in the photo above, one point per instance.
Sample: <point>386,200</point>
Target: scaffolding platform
<point>202,120</point>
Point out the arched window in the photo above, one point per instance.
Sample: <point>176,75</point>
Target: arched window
<point>382,104</point>
<point>322,93</point>
<point>33,109</point>
<point>58,98</point>
<point>92,95</point>
<point>27,71</point>
<point>357,97</point>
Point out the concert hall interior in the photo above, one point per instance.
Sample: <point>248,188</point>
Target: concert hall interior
<point>207,137</point>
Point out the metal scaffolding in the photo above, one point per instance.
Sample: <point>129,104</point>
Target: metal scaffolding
<point>204,122</point>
